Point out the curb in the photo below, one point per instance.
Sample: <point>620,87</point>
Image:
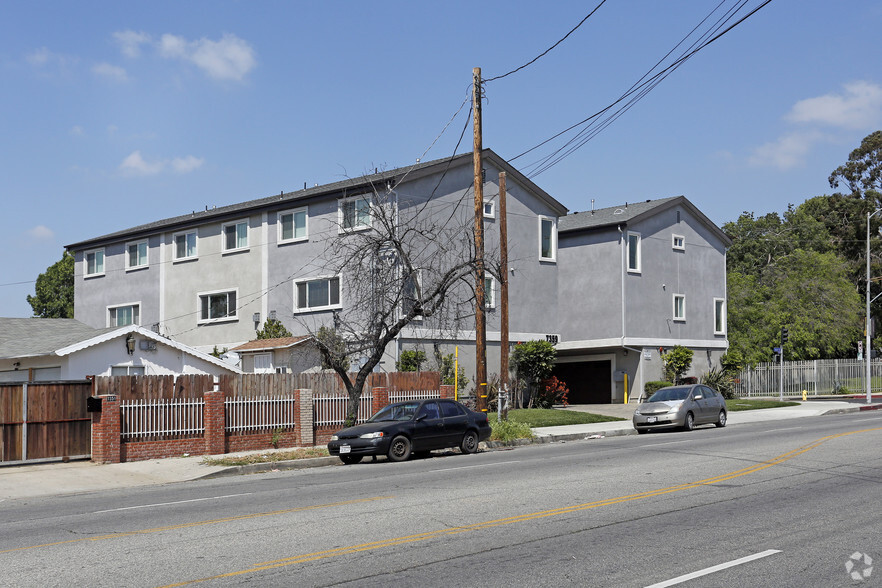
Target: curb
<point>272,466</point>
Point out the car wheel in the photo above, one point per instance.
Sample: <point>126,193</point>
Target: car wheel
<point>351,459</point>
<point>469,442</point>
<point>399,449</point>
<point>721,421</point>
<point>689,423</point>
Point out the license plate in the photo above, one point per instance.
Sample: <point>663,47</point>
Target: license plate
<point>345,449</point>
<point>651,419</point>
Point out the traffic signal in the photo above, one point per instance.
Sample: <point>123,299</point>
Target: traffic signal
<point>784,335</point>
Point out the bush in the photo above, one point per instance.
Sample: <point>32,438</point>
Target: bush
<point>720,380</point>
<point>551,392</point>
<point>510,430</point>
<point>650,387</point>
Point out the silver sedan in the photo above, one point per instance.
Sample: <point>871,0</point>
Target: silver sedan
<point>681,407</point>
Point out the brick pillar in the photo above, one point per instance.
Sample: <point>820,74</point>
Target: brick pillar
<point>106,435</point>
<point>213,417</point>
<point>380,398</point>
<point>447,391</point>
<point>305,417</point>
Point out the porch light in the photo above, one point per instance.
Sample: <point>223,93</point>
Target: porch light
<point>130,344</point>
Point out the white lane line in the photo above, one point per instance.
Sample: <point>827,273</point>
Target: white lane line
<point>789,429</point>
<point>476,466</point>
<point>667,443</point>
<point>717,568</point>
<point>171,503</point>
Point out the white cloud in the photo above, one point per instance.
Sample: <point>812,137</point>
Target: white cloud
<point>109,71</point>
<point>186,164</point>
<point>858,107</point>
<point>41,233</point>
<point>231,58</point>
<point>77,131</point>
<point>43,57</point>
<point>130,42</point>
<point>136,165</point>
<point>787,152</point>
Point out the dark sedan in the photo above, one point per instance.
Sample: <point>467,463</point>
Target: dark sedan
<point>415,426</point>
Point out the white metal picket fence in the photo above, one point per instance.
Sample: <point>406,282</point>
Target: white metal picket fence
<point>331,409</point>
<point>816,377</point>
<point>260,414</point>
<point>151,419</point>
<point>402,395</point>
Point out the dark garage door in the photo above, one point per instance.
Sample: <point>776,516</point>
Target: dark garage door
<point>588,381</point>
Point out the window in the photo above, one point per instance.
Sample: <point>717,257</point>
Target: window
<point>489,292</point>
<point>547,239</point>
<point>236,236</point>
<point>120,316</point>
<point>318,294</point>
<point>95,262</point>
<point>127,370</point>
<point>411,291</point>
<point>489,209</point>
<point>185,245</point>
<point>679,242</point>
<point>634,252</point>
<point>719,316</point>
<point>217,306</point>
<point>292,226</point>
<point>136,255</point>
<point>679,307</point>
<point>355,213</point>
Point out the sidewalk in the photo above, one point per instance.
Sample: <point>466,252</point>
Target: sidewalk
<point>51,479</point>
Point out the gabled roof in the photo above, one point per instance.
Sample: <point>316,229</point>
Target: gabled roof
<point>271,344</point>
<point>36,337</point>
<point>334,190</point>
<point>631,213</point>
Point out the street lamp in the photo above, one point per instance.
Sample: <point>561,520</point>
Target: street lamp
<point>867,354</point>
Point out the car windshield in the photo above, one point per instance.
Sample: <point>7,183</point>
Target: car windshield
<point>395,412</point>
<point>669,394</point>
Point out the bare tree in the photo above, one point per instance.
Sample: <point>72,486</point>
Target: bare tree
<point>400,259</point>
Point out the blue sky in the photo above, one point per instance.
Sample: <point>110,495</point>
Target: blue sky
<point>120,113</point>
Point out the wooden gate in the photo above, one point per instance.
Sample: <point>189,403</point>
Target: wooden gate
<point>44,420</point>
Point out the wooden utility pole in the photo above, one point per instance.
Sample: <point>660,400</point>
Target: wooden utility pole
<point>503,297</point>
<point>480,317</point>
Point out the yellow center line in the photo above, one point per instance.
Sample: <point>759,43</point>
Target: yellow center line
<point>200,523</point>
<point>318,555</point>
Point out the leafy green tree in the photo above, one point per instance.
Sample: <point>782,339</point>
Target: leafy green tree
<point>273,329</point>
<point>533,362</point>
<point>862,173</point>
<point>410,360</point>
<point>677,362</point>
<point>448,370</point>
<point>54,291</point>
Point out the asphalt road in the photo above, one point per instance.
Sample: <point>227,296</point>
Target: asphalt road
<point>784,503</point>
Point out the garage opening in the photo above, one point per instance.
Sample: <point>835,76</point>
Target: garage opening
<point>590,382</point>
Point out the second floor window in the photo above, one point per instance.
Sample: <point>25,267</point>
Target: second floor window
<point>679,307</point>
<point>136,255</point>
<point>95,262</point>
<point>120,316</point>
<point>236,236</point>
<point>719,316</point>
<point>317,294</point>
<point>547,239</point>
<point>489,292</point>
<point>217,305</point>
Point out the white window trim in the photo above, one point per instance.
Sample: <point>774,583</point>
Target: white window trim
<point>637,269</point>
<point>225,319</point>
<point>341,201</point>
<point>681,246</point>
<point>492,213</point>
<point>553,221</point>
<point>224,236</point>
<point>142,369</point>
<point>86,273</point>
<point>490,293</point>
<point>174,244</point>
<point>146,263</point>
<point>293,211</point>
<point>124,305</point>
<point>308,309</point>
<point>723,311</point>
<point>679,319</point>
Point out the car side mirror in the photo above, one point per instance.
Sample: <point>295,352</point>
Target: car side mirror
<point>697,397</point>
<point>422,417</point>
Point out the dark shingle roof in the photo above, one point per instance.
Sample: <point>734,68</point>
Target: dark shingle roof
<point>30,337</point>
